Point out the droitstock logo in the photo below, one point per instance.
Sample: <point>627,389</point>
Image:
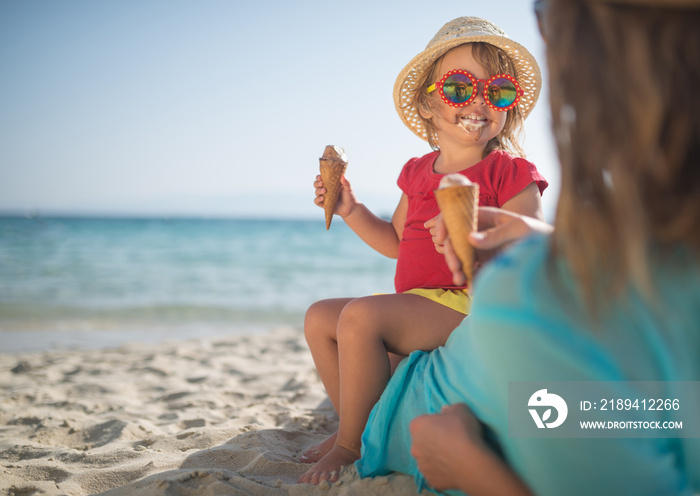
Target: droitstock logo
<point>542,401</point>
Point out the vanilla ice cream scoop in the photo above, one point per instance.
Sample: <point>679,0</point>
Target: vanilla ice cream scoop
<point>454,180</point>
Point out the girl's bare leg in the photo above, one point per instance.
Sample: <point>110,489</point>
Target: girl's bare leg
<point>318,451</point>
<point>368,328</point>
<point>320,325</point>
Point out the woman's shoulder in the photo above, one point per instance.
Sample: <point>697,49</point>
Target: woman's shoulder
<point>514,268</point>
<point>531,296</point>
<point>530,269</point>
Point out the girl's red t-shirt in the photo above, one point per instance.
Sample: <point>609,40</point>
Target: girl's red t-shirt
<point>500,177</point>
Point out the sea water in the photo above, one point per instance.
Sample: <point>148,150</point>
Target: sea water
<point>101,281</point>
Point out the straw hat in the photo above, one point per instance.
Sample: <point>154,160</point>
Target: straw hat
<point>458,32</point>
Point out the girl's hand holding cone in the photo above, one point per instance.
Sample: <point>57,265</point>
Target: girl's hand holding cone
<point>346,200</point>
<point>442,240</point>
<point>333,164</point>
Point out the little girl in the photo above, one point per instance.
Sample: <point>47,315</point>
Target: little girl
<point>466,94</point>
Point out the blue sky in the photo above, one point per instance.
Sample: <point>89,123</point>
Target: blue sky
<point>209,107</point>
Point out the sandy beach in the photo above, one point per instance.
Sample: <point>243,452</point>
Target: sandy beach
<point>219,416</point>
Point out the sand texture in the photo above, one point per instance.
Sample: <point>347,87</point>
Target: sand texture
<point>207,417</point>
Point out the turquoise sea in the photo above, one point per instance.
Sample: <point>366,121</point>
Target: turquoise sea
<point>99,282</point>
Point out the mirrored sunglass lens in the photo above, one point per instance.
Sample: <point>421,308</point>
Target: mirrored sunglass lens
<point>502,92</point>
<point>458,88</point>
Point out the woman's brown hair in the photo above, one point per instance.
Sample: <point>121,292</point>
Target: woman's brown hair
<point>624,88</point>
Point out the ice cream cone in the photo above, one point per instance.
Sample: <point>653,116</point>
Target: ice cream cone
<point>333,164</point>
<point>459,205</point>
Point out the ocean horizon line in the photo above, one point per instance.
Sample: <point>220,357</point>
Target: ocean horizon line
<point>48,215</point>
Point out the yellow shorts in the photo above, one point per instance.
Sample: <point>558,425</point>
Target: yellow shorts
<point>456,299</point>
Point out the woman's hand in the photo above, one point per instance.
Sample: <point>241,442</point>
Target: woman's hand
<point>451,454</point>
<point>441,442</point>
<point>346,201</point>
<point>498,228</point>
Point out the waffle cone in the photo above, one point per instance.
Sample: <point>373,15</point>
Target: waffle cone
<point>459,205</point>
<point>333,164</point>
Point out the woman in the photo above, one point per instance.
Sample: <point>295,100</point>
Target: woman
<point>611,296</point>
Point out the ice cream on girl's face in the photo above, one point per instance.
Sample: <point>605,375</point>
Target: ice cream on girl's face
<point>473,122</point>
<point>454,180</point>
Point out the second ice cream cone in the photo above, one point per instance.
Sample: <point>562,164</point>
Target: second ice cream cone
<point>333,164</point>
<point>459,206</point>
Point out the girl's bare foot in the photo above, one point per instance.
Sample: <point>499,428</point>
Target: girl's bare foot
<point>328,467</point>
<point>318,451</point>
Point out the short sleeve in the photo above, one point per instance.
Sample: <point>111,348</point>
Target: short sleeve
<point>515,176</point>
<point>406,175</point>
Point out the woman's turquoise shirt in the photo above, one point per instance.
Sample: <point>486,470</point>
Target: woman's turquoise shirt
<point>529,324</point>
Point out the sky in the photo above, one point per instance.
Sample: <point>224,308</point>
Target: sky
<point>219,107</point>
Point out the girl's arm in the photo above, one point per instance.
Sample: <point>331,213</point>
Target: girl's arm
<point>382,235</point>
<point>528,202</point>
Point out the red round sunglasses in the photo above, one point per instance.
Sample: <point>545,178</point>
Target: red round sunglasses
<point>459,88</point>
